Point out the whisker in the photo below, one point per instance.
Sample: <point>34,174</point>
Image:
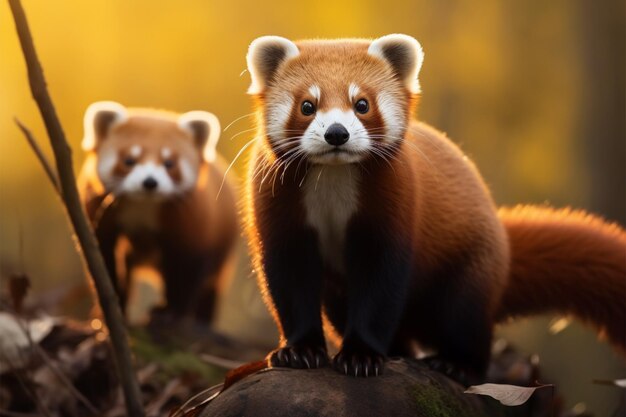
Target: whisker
<point>241,151</point>
<point>297,155</point>
<point>304,177</point>
<point>318,178</point>
<point>264,133</point>
<point>236,120</point>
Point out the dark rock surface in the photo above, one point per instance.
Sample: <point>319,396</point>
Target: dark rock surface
<point>407,388</point>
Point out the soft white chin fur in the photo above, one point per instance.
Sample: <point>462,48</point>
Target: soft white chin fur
<point>335,158</point>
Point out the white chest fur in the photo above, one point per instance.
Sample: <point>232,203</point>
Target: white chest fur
<point>331,199</point>
<point>138,214</point>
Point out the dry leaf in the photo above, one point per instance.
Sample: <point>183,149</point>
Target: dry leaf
<point>16,337</point>
<point>506,394</point>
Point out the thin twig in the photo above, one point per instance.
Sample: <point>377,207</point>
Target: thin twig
<point>88,244</point>
<point>68,384</point>
<point>40,155</point>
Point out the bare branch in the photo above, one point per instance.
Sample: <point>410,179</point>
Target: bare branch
<point>40,155</point>
<point>88,244</point>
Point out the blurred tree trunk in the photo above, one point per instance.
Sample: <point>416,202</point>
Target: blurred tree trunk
<point>603,105</point>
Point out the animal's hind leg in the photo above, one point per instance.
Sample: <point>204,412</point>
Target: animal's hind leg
<point>462,332</point>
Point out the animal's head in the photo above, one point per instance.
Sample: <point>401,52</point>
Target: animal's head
<point>335,102</point>
<point>144,152</point>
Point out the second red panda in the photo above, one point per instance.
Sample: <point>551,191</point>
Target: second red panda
<point>153,178</point>
<point>382,224</point>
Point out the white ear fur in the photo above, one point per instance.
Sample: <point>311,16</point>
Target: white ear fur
<point>205,127</point>
<point>99,118</point>
<point>404,54</point>
<point>264,56</point>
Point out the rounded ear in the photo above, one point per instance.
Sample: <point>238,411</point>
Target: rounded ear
<point>404,54</point>
<point>205,129</point>
<point>265,54</point>
<point>99,118</point>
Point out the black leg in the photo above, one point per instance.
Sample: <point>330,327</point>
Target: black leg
<point>293,273</point>
<point>205,305</point>
<point>465,335</point>
<point>378,270</point>
<point>335,300</point>
<point>459,323</point>
<point>212,273</point>
<point>184,275</point>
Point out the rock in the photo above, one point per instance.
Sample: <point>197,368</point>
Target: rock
<point>407,388</point>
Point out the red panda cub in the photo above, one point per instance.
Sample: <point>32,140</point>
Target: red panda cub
<point>153,177</point>
<point>381,224</point>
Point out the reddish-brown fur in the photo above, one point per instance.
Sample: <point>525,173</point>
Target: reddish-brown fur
<point>568,262</point>
<point>194,232</point>
<point>423,212</point>
<point>442,230</point>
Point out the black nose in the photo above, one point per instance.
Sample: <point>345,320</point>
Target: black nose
<point>150,183</point>
<point>336,134</point>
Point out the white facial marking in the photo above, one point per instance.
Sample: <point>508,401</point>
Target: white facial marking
<point>353,92</point>
<point>106,161</point>
<point>133,182</point>
<point>319,151</point>
<point>189,177</point>
<point>315,92</point>
<point>331,198</point>
<point>135,151</point>
<point>166,153</point>
<point>277,115</point>
<point>392,113</point>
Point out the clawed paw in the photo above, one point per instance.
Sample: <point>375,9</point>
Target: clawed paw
<point>299,357</point>
<point>359,363</point>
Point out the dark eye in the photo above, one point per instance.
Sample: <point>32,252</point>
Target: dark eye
<point>169,163</point>
<point>308,108</point>
<point>362,106</point>
<point>129,161</point>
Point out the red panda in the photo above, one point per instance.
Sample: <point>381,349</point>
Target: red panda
<point>153,177</point>
<point>380,224</point>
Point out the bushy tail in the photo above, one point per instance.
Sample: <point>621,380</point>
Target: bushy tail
<point>567,262</point>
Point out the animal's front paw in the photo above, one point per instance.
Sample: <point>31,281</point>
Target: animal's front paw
<point>359,362</point>
<point>300,357</point>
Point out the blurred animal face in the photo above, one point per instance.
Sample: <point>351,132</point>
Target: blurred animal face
<point>158,161</point>
<point>335,102</point>
<point>143,153</point>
